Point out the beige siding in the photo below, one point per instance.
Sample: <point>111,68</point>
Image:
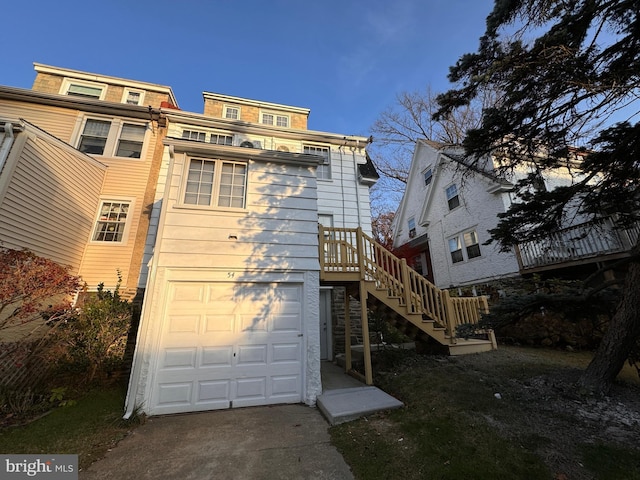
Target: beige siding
<point>125,179</point>
<point>277,232</point>
<point>59,122</point>
<point>49,204</point>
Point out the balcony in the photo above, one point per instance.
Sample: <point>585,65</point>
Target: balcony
<point>589,242</point>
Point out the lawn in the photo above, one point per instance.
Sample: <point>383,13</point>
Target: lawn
<point>88,427</point>
<point>510,414</point>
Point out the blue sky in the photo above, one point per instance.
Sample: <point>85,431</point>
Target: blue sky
<point>345,60</point>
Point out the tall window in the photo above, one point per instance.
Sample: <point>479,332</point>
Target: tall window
<point>94,137</point>
<point>471,244</point>
<point>412,227</point>
<point>130,141</point>
<point>216,183</point>
<point>428,176</point>
<point>452,196</point>
<point>324,169</point>
<point>111,223</point>
<point>455,247</point>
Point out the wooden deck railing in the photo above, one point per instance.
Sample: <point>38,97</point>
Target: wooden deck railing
<point>349,251</point>
<point>587,240</point>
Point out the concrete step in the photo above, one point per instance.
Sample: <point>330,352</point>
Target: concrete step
<point>347,404</point>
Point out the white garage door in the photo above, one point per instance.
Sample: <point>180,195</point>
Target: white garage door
<point>228,345</point>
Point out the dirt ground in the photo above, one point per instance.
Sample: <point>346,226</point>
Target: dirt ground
<point>544,405</point>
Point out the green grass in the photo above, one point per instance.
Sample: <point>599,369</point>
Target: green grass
<point>88,428</point>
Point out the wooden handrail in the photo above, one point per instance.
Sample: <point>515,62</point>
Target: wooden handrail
<point>350,250</point>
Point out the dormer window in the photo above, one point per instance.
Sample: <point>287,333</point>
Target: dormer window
<point>133,97</point>
<point>274,119</point>
<point>78,88</point>
<point>193,135</point>
<point>232,113</point>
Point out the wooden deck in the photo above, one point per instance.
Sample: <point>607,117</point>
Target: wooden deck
<point>385,282</point>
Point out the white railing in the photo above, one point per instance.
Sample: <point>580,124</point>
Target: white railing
<point>587,240</point>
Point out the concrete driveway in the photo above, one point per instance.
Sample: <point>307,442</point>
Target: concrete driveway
<point>287,442</point>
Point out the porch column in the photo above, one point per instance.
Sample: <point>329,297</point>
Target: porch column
<point>365,334</point>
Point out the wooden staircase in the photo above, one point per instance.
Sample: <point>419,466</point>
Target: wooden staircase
<point>401,295</point>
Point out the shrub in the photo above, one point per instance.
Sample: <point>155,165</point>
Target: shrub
<point>94,339</point>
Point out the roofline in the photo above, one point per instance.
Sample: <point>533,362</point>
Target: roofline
<point>95,77</point>
<point>255,103</point>
<point>26,126</point>
<point>180,116</point>
<point>78,103</point>
<point>195,148</point>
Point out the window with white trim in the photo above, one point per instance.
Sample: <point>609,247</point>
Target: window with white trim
<point>412,227</point>
<point>221,139</point>
<point>324,169</point>
<point>111,222</point>
<point>132,96</point>
<point>215,183</point>
<point>232,113</point>
<point>453,199</point>
<point>455,248</point>
<point>471,244</point>
<point>274,119</point>
<point>194,135</point>
<point>428,176</point>
<point>112,138</point>
<point>79,88</point>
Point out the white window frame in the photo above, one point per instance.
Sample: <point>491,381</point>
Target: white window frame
<point>411,224</point>
<point>127,223</point>
<point>213,135</point>
<point>323,172</point>
<point>215,192</point>
<point>192,132</point>
<point>113,137</point>
<point>68,82</point>
<point>427,180</point>
<point>449,198</point>
<point>458,243</point>
<point>468,245</point>
<point>225,110</point>
<point>277,119</point>
<point>463,246</point>
<point>127,91</point>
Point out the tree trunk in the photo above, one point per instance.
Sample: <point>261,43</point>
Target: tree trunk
<point>618,340</point>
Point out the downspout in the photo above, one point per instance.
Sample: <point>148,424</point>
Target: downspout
<point>138,357</point>
<point>5,145</point>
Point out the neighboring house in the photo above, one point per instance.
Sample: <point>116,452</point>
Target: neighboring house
<point>78,168</point>
<point>443,220</point>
